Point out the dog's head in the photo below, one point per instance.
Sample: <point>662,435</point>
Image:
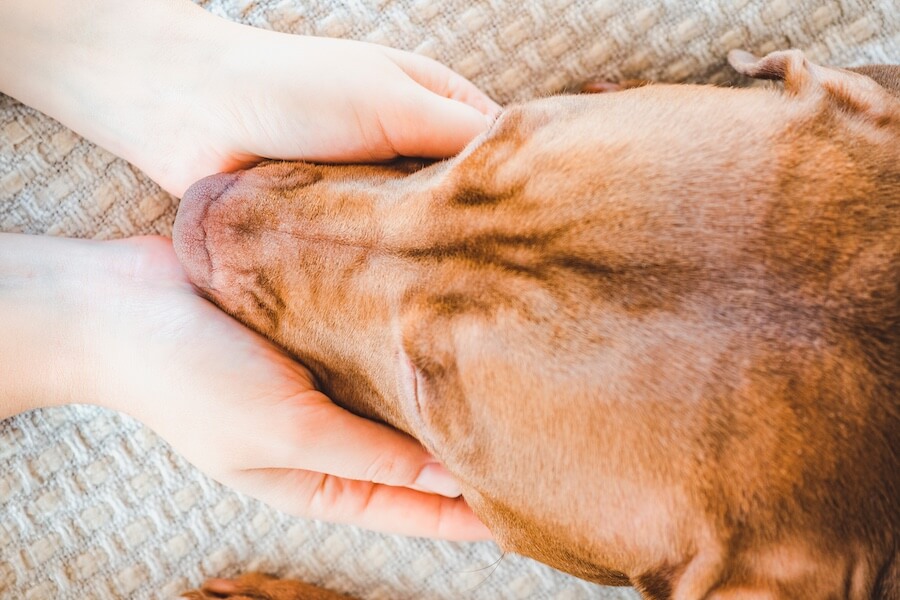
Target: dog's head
<point>626,322</point>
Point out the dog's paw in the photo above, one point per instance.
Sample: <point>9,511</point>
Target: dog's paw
<point>257,586</point>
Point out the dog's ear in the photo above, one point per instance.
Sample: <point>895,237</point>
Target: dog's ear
<point>789,66</point>
<point>849,91</point>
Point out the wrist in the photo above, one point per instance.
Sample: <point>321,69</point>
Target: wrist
<point>107,69</point>
<point>63,306</point>
<point>43,314</point>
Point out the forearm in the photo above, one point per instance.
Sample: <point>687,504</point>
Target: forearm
<point>44,313</point>
<point>76,59</point>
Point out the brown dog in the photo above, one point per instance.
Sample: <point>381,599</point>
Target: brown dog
<point>655,334</point>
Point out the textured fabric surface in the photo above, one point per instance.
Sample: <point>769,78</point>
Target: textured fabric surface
<point>93,505</point>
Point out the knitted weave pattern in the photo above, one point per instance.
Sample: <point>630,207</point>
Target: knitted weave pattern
<point>94,505</point>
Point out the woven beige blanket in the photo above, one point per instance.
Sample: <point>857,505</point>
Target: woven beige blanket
<point>93,505</point>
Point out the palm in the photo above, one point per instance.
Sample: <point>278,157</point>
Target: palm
<point>251,417</point>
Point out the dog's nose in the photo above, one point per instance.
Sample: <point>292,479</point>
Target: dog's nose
<point>189,232</point>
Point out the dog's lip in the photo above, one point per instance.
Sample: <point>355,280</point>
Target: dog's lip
<point>189,234</point>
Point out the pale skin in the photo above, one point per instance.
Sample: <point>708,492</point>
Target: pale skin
<point>183,94</point>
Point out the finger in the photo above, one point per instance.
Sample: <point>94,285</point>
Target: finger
<point>444,81</point>
<point>372,506</point>
<point>318,435</point>
<point>426,124</point>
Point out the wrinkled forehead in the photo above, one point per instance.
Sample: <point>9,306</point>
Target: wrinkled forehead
<point>659,119</point>
<point>634,142</point>
<point>653,106</point>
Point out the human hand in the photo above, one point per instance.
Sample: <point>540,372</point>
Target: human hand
<point>315,99</point>
<point>126,329</point>
<point>183,94</point>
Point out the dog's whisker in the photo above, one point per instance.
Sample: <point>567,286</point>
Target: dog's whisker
<point>493,566</point>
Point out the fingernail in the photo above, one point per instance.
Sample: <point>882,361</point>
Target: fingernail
<point>436,479</point>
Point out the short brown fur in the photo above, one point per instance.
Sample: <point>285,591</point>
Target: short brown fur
<point>655,333</point>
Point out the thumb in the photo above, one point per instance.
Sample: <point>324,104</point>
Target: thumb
<point>443,81</point>
<point>434,126</point>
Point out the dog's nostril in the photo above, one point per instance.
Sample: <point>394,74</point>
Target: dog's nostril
<point>189,232</point>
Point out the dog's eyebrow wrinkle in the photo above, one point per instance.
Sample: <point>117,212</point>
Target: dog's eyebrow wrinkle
<point>453,303</point>
<point>487,250</point>
<point>270,313</point>
<point>474,246</point>
<point>468,195</point>
<point>638,286</point>
<point>295,181</point>
<point>265,283</point>
<point>479,245</point>
<point>324,239</point>
<point>588,268</point>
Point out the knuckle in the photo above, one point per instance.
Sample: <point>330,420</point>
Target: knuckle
<point>391,470</point>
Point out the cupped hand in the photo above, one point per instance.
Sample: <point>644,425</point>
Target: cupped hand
<point>215,96</point>
<point>326,100</point>
<point>250,417</point>
<point>183,94</point>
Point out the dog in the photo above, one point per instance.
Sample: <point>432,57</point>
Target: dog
<point>655,334</point>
